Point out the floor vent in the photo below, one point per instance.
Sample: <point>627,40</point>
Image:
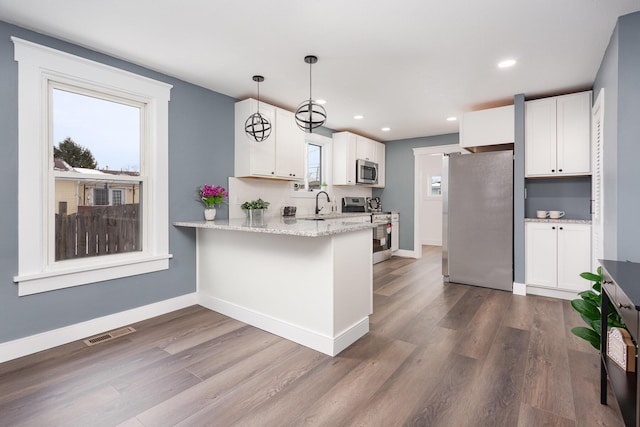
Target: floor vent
<point>109,336</point>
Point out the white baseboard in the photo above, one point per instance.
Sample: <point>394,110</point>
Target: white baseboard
<point>32,344</point>
<point>319,342</point>
<point>519,288</point>
<point>432,242</point>
<point>407,254</point>
<point>552,293</point>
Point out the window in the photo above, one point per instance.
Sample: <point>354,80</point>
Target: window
<point>317,168</point>
<point>313,178</point>
<point>435,186</point>
<point>51,85</point>
<point>96,143</point>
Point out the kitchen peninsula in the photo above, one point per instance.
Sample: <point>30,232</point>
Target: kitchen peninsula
<point>306,280</point>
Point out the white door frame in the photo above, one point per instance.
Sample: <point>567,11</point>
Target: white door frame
<point>418,153</point>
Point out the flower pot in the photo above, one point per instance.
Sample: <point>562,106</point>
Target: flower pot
<point>210,214</point>
<point>255,216</point>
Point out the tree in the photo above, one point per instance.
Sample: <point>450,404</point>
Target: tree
<point>75,154</point>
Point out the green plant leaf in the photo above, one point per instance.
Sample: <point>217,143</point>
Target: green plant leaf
<point>597,287</point>
<point>591,276</point>
<point>587,294</point>
<point>586,309</point>
<point>595,325</point>
<point>588,335</point>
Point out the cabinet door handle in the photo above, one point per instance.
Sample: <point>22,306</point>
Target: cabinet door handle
<point>608,282</point>
<point>553,228</point>
<point>626,306</point>
<point>553,170</point>
<point>559,170</point>
<point>561,228</point>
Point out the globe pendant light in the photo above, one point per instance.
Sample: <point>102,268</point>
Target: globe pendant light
<point>257,125</point>
<point>310,114</point>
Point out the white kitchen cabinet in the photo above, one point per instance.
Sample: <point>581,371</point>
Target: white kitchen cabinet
<point>347,148</point>
<point>281,156</point>
<point>344,158</point>
<point>381,156</point>
<point>366,149</point>
<point>488,127</point>
<point>395,232</point>
<point>558,136</point>
<point>556,253</point>
<point>290,146</point>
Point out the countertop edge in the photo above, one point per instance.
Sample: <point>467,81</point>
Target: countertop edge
<point>559,221</point>
<point>325,229</point>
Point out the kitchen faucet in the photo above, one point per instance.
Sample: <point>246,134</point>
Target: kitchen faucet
<point>328,200</point>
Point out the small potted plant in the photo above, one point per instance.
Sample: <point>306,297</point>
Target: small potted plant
<point>255,210</point>
<point>211,197</point>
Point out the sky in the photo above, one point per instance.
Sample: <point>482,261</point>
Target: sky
<point>111,131</point>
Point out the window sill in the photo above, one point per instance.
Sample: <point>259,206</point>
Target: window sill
<point>61,278</point>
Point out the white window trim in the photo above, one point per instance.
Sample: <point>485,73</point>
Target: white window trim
<point>325,143</point>
<point>37,65</point>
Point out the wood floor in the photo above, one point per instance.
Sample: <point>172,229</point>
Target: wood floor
<point>437,355</point>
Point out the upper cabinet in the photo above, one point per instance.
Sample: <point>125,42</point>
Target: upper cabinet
<point>344,158</point>
<point>558,136</point>
<point>366,149</point>
<point>487,127</point>
<point>281,156</point>
<point>347,148</point>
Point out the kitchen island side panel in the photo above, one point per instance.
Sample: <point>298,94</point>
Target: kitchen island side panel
<point>316,291</point>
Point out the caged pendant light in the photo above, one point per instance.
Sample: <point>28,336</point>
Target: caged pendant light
<point>257,125</point>
<point>310,114</point>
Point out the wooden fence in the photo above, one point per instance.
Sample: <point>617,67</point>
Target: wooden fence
<point>100,230</point>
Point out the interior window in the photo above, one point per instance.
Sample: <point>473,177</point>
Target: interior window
<point>96,147</point>
<point>314,166</point>
<point>435,186</point>
<point>98,136</point>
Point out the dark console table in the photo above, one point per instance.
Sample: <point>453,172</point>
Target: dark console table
<point>621,287</point>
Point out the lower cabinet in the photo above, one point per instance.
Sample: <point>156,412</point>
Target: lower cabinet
<point>556,253</point>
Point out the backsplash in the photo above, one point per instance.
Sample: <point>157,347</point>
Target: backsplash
<point>280,193</point>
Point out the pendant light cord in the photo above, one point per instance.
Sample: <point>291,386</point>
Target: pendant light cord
<point>310,82</point>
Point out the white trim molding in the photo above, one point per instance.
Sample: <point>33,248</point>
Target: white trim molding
<point>312,339</point>
<point>32,344</point>
<point>519,288</point>
<point>38,68</point>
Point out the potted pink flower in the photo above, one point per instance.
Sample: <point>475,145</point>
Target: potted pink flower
<point>212,196</point>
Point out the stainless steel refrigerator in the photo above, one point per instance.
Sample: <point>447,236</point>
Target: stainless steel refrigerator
<point>477,225</point>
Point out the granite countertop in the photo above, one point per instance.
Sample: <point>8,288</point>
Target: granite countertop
<point>278,225</point>
<point>559,221</point>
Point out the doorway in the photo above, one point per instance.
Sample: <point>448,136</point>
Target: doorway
<point>427,227</point>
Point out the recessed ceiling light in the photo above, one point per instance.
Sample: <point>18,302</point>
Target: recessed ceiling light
<point>452,119</point>
<point>358,117</point>
<point>385,129</point>
<point>321,101</point>
<point>507,63</point>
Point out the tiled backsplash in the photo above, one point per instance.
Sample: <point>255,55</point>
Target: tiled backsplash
<point>280,193</point>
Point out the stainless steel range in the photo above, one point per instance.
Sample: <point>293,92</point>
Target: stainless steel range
<point>382,233</point>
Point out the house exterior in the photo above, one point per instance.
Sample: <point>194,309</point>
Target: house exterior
<point>201,151</point>
<point>75,194</point>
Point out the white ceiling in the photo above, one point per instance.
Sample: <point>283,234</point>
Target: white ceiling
<point>405,64</point>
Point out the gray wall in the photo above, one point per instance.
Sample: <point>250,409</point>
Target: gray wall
<point>572,195</point>
<point>518,189</point>
<point>398,193</point>
<point>200,151</point>
<point>618,75</point>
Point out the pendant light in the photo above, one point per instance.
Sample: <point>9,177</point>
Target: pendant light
<point>257,125</point>
<point>310,114</point>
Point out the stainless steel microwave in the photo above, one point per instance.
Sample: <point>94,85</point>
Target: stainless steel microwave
<point>366,172</point>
